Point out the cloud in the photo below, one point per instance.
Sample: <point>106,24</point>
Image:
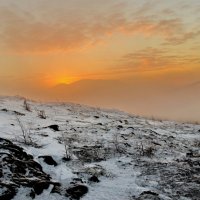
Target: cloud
<point>24,32</point>
<point>165,28</point>
<point>151,59</point>
<point>182,38</point>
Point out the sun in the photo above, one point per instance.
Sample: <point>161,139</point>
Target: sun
<point>54,80</point>
<point>65,80</point>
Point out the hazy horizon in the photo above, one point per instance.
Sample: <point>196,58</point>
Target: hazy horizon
<point>141,57</point>
<point>172,103</point>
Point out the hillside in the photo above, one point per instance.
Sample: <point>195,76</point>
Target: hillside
<point>60,151</point>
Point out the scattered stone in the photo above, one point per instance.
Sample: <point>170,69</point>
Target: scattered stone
<point>131,128</point>
<point>77,191</point>
<point>126,121</point>
<point>32,194</point>
<point>149,192</point>
<point>49,160</point>
<point>148,195</point>
<point>54,127</point>
<point>44,135</point>
<point>100,124</point>
<point>66,159</point>
<point>40,186</point>
<point>189,154</point>
<point>120,127</point>
<point>56,189</point>
<point>94,179</point>
<point>4,110</point>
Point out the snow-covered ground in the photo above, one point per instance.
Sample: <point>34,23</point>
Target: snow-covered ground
<point>127,154</point>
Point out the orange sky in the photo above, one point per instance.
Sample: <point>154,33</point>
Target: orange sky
<point>44,43</point>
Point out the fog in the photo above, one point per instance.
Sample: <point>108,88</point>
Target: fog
<point>146,98</point>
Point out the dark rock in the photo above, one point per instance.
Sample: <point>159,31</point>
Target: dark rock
<point>4,110</point>
<point>149,192</point>
<point>19,168</point>
<point>49,160</point>
<point>56,189</point>
<point>77,191</point>
<point>66,159</point>
<point>148,195</point>
<point>127,144</point>
<point>100,124</point>
<point>122,136</point>
<point>34,165</point>
<point>126,121</point>
<point>96,117</point>
<point>189,154</point>
<point>5,141</point>
<point>18,113</point>
<point>40,186</point>
<point>94,179</point>
<point>44,135</point>
<point>120,127</point>
<point>1,172</point>
<point>8,191</point>
<point>54,127</point>
<point>32,194</point>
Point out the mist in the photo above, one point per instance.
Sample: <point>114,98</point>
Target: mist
<point>147,98</point>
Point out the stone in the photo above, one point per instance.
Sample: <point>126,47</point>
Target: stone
<point>94,179</point>
<point>49,160</point>
<point>54,127</point>
<point>40,186</point>
<point>19,168</point>
<point>77,191</point>
<point>148,195</point>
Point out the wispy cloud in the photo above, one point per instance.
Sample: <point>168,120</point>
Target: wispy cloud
<point>23,32</point>
<point>182,38</point>
<point>151,59</point>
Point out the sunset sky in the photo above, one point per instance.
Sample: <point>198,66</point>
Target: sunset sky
<point>149,45</point>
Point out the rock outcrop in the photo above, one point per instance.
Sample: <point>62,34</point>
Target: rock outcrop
<point>18,169</point>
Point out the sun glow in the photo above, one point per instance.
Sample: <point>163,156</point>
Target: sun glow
<point>65,80</point>
<point>55,80</point>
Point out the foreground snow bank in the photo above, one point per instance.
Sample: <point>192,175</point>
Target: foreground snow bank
<point>108,154</point>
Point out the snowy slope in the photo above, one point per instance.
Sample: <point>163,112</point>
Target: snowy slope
<point>132,157</point>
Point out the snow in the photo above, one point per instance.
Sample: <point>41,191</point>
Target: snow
<point>123,178</point>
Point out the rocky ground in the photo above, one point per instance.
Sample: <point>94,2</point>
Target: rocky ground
<point>67,151</point>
